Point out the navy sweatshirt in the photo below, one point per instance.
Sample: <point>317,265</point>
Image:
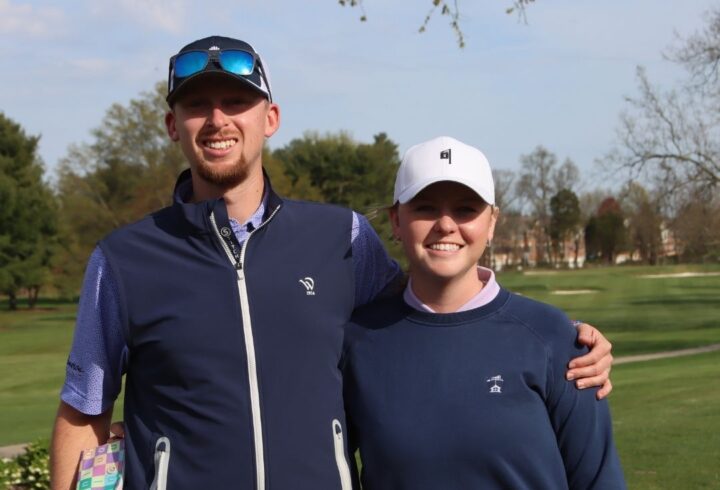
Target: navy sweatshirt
<point>473,400</point>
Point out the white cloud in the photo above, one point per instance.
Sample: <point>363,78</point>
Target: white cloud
<point>164,15</point>
<point>25,19</point>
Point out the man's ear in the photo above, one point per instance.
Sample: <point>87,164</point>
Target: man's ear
<point>170,125</point>
<point>272,119</point>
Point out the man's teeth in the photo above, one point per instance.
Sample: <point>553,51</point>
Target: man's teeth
<point>220,145</point>
<point>445,247</point>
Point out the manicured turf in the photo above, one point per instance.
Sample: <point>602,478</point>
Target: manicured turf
<point>33,350</point>
<point>666,415</point>
<point>638,314</point>
<point>666,412</point>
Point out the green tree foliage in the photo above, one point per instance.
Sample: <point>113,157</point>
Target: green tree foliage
<point>540,178</point>
<point>27,215</point>
<point>605,232</point>
<point>348,173</point>
<point>127,171</point>
<point>299,188</point>
<point>345,172</point>
<point>564,221</point>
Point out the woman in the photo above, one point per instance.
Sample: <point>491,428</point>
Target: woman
<point>458,383</point>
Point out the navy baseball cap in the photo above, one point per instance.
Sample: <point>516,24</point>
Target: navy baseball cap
<point>218,55</point>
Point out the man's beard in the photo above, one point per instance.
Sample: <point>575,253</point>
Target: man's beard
<point>225,177</point>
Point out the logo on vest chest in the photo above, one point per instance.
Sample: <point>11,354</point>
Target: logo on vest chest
<point>309,284</point>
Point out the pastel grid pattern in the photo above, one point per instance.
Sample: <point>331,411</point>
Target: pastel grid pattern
<point>101,468</point>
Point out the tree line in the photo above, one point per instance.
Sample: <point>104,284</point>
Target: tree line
<point>667,155</point>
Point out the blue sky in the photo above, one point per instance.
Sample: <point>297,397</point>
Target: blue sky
<point>558,81</point>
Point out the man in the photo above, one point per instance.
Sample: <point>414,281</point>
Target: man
<point>225,310</point>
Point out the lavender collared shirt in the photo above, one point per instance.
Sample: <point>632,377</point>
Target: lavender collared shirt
<point>488,293</point>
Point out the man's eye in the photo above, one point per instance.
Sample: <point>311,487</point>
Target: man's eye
<point>236,102</point>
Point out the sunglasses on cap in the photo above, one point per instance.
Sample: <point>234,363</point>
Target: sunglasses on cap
<point>235,61</point>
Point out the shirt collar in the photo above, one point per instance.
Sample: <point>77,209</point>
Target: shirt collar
<point>489,291</point>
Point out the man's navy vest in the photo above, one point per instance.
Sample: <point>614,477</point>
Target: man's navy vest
<point>233,378</point>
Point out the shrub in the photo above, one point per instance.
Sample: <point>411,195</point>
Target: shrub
<point>28,471</point>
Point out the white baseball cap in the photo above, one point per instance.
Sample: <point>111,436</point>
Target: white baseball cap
<point>443,159</point>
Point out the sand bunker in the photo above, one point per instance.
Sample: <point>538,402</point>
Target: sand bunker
<point>567,292</point>
<point>680,274</point>
<point>540,273</point>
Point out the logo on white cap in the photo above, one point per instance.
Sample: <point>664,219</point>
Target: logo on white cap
<point>446,155</point>
<point>465,165</point>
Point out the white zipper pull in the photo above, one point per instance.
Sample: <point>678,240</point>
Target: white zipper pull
<point>162,462</point>
<point>342,464</point>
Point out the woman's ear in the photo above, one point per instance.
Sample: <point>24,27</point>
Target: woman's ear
<point>395,221</point>
<point>493,221</point>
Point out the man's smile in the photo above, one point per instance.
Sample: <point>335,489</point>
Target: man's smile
<point>219,144</point>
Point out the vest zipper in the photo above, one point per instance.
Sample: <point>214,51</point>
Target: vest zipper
<point>237,260</point>
<point>342,464</point>
<point>162,463</point>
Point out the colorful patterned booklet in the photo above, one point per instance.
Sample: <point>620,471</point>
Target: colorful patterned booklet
<point>101,468</point>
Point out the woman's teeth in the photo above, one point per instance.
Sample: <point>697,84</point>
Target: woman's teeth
<point>445,247</point>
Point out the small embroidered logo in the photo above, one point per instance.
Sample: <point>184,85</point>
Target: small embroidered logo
<point>309,284</point>
<point>74,367</point>
<point>446,155</point>
<point>497,382</point>
<point>213,48</point>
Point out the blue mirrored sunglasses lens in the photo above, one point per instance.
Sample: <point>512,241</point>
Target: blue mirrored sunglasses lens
<point>189,63</point>
<point>237,62</point>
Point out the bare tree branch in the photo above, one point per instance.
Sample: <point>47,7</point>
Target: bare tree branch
<point>449,8</point>
<point>700,53</point>
<point>670,137</point>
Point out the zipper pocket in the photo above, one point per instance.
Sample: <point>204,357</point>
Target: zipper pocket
<point>342,465</point>
<point>162,462</point>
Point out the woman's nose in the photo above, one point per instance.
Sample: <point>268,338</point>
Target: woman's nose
<point>445,224</point>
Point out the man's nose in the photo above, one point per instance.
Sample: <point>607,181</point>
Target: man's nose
<point>217,118</point>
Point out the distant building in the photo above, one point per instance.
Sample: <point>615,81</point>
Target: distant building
<point>524,247</point>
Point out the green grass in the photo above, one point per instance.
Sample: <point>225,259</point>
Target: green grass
<point>666,412</point>
<point>637,314</point>
<point>666,415</point>
<point>33,351</point>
